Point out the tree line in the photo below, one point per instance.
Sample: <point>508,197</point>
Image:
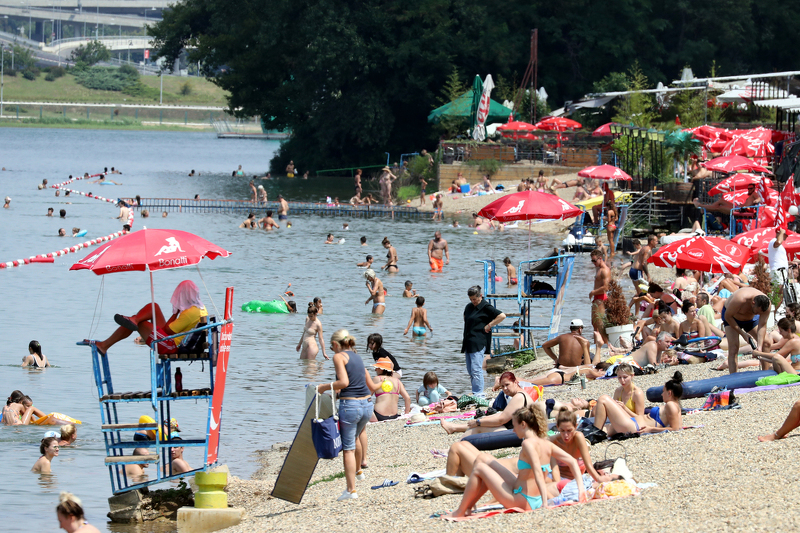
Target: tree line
<point>353,80</point>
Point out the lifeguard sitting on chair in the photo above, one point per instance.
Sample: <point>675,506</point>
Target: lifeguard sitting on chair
<point>187,311</point>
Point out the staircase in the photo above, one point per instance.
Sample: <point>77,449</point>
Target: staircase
<point>649,209</point>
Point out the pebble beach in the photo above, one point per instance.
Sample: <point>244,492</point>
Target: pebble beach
<point>714,476</point>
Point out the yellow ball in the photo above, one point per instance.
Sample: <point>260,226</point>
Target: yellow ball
<point>387,386</point>
<point>474,232</point>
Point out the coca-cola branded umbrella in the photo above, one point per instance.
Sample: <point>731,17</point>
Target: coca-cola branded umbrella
<point>706,254</point>
<point>515,129</point>
<point>604,172</point>
<point>758,240</point>
<point>738,182</point>
<point>737,198</point>
<point>558,124</point>
<point>603,131</point>
<point>734,163</point>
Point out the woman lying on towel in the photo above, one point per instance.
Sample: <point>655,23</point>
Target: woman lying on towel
<point>498,421</point>
<point>574,443</point>
<point>666,417</point>
<point>787,358</point>
<point>524,490</point>
<point>559,376</point>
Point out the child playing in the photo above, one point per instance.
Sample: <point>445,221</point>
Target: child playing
<point>419,319</point>
<point>430,391</point>
<point>367,263</point>
<point>512,272</point>
<point>409,292</point>
<point>375,345</point>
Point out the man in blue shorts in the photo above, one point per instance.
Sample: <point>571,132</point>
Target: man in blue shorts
<point>745,313</point>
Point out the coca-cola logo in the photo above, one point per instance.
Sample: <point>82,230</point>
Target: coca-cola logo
<point>732,250</point>
<point>697,254</point>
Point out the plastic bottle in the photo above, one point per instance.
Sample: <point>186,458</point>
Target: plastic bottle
<point>178,380</point>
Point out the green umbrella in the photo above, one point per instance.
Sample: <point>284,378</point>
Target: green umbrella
<point>463,106</point>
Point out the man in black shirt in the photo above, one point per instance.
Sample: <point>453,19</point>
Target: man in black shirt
<point>479,319</point>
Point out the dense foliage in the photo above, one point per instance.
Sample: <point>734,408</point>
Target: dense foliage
<point>90,53</point>
<point>355,79</point>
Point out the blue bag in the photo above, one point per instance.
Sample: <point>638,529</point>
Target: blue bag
<point>325,433</point>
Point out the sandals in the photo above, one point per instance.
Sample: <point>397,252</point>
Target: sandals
<point>386,483</point>
<point>125,322</point>
<point>424,492</point>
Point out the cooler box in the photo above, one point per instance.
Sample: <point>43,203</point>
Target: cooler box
<point>465,188</point>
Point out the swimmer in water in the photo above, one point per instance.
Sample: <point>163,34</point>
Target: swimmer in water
<point>7,203</point>
<point>70,515</point>
<point>409,292</point>
<point>49,450</point>
<point>58,192</point>
<point>391,256</point>
<point>363,241</point>
<point>191,174</point>
<point>145,213</point>
<point>419,319</point>
<point>62,232</point>
<point>135,472</point>
<point>367,263</point>
<point>69,434</point>
<point>49,211</point>
<point>75,231</point>
<point>178,463</point>
<point>267,222</point>
<point>318,304</point>
<point>164,214</point>
<point>249,222</point>
<point>377,294</point>
<point>329,240</point>
<point>345,226</point>
<point>62,213</point>
<point>102,179</point>
<point>35,359</point>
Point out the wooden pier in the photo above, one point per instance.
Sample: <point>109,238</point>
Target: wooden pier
<point>157,205</point>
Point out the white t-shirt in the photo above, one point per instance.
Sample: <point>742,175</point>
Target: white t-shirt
<point>777,256</point>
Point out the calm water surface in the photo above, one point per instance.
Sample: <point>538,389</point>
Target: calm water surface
<point>266,380</point>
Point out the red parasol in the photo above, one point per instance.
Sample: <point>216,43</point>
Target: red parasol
<point>734,163</point>
<point>706,254</point>
<point>603,131</point>
<point>604,172</point>
<point>738,182</point>
<point>758,240</point>
<point>557,124</point>
<point>529,205</point>
<point>737,198</point>
<point>153,249</point>
<point>516,127</point>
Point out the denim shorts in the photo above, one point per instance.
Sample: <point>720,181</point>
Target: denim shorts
<point>353,418</point>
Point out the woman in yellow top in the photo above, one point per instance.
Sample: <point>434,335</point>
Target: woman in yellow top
<point>628,396</point>
<point>187,311</point>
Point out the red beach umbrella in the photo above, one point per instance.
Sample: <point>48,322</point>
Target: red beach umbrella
<point>529,205</point>
<point>557,124</point>
<point>603,131</point>
<point>706,254</point>
<point>737,198</point>
<point>604,172</point>
<point>759,238</point>
<point>150,249</point>
<point>734,163</point>
<point>516,127</point>
<point>738,182</point>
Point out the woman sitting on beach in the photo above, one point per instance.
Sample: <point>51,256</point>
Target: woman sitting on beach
<point>70,515</point>
<point>559,376</point>
<point>787,359</point>
<point>49,449</point>
<point>627,397</point>
<point>661,418</point>
<point>498,421</point>
<point>574,443</point>
<point>525,490</point>
<point>35,358</point>
<point>308,346</point>
<point>693,326</point>
<point>386,400</point>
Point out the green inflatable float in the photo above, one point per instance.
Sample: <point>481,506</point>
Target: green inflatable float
<point>273,306</point>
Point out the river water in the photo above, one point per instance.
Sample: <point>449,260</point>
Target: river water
<point>266,380</point>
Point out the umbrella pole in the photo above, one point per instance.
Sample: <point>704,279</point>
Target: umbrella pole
<point>529,240</point>
<point>153,347</point>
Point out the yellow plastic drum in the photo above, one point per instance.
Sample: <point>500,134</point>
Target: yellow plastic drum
<point>211,493</point>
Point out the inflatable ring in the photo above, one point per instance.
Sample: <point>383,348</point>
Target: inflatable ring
<point>273,306</point>
<point>55,419</point>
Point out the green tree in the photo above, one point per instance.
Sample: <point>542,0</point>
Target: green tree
<point>90,53</point>
<point>682,145</point>
<point>611,83</point>
<point>23,58</point>
<point>636,108</point>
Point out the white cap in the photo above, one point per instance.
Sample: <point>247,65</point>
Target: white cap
<point>577,323</point>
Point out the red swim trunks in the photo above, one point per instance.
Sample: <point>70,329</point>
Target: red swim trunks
<point>436,264</point>
<point>600,298</point>
<point>163,347</point>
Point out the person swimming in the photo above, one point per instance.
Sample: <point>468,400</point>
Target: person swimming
<point>35,359</point>
<point>49,449</point>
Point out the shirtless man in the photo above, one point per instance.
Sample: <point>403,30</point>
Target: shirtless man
<point>650,352</point>
<point>598,295</point>
<point>375,288</point>
<point>745,313</point>
<point>419,319</point>
<point>557,184</point>
<point>357,184</point>
<point>438,250</point>
<point>422,185</point>
<point>124,212</point>
<point>253,191</point>
<point>638,269</point>
<point>511,272</point>
<point>267,222</point>
<point>135,472</point>
<point>573,349</point>
<point>724,206</point>
<point>178,463</point>
<point>438,213</point>
<point>283,210</point>
<point>249,222</point>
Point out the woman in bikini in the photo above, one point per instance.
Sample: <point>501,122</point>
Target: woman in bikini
<point>49,450</point>
<point>391,256</point>
<point>377,295</point>
<point>308,346</point>
<point>627,397</point>
<point>665,417</point>
<point>498,421</point>
<point>35,359</point>
<point>574,443</point>
<point>386,402</point>
<point>693,326</point>
<point>787,358</point>
<point>526,489</point>
<point>21,411</point>
<point>559,376</point>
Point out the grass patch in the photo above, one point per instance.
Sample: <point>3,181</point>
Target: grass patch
<point>524,357</point>
<point>340,475</point>
<point>83,124</point>
<point>408,192</point>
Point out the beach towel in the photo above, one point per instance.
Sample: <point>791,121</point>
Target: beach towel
<point>784,378</point>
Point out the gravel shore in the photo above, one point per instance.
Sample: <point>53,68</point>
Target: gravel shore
<point>716,476</point>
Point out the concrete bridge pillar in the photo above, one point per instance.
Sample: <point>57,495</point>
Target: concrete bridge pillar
<point>38,31</point>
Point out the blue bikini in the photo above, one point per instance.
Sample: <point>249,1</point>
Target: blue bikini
<point>654,414</point>
<point>534,502</point>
